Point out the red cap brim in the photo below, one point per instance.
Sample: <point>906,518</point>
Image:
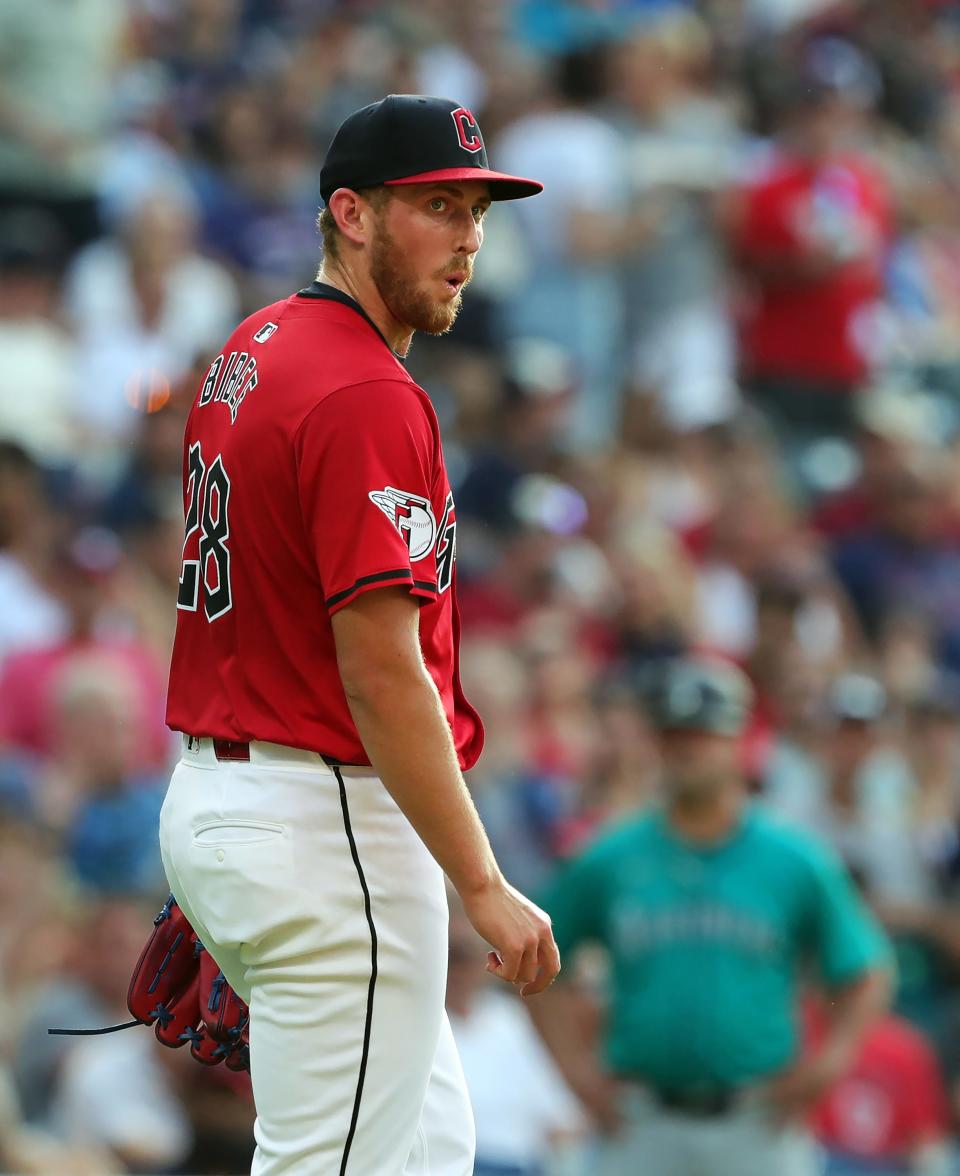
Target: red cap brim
<point>502,186</point>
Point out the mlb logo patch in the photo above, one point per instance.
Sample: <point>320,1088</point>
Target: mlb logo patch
<point>265,332</point>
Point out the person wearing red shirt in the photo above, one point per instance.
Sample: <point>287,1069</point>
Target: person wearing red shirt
<point>810,238</point>
<point>315,679</point>
<point>888,1115</point>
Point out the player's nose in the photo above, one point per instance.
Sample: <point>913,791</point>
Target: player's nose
<point>469,234</point>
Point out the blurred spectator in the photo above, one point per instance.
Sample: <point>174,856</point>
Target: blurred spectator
<point>655,614</point>
<point>144,153</point>
<point>150,478</point>
<point>30,1152</point>
<point>30,615</point>
<point>525,436</point>
<point>523,1109</point>
<point>858,792</point>
<point>32,930</point>
<point>888,1114</point>
<point>856,788</point>
<point>96,789</point>
<point>906,558</point>
<point>574,239</point>
<point>256,180</point>
<point>923,278</point>
<point>145,306</point>
<point>754,529</point>
<point>680,149</point>
<point>622,772</point>
<point>29,679</point>
<point>38,354</point>
<point>895,430</point>
<point>523,805</point>
<point>932,744</point>
<point>57,63</point>
<point>118,1091</point>
<point>811,238</point>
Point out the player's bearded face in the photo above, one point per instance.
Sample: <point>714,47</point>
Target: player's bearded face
<point>697,763</point>
<point>405,292</point>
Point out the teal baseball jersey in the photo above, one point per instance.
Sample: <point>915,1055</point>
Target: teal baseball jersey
<point>708,945</point>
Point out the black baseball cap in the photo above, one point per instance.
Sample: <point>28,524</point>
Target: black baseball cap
<point>414,139</point>
<point>698,694</point>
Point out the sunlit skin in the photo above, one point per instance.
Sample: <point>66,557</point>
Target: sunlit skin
<point>697,764</point>
<point>407,261</point>
<point>703,783</point>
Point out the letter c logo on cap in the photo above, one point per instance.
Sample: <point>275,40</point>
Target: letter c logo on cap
<point>467,130</point>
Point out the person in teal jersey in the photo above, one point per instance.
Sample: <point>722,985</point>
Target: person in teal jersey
<point>712,916</point>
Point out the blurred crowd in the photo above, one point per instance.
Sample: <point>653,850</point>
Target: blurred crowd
<point>704,394</point>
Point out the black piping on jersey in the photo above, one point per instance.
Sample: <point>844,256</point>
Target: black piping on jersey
<point>378,578</point>
<point>332,294</point>
<point>365,1052</point>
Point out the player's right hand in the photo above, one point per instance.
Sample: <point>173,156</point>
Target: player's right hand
<point>524,951</point>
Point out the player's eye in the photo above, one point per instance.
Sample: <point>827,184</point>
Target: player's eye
<point>479,212</point>
<point>438,204</point>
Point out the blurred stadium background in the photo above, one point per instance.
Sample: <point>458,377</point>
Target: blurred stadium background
<point>704,394</point>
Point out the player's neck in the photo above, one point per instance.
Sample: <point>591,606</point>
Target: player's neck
<point>363,290</point>
<point>709,818</point>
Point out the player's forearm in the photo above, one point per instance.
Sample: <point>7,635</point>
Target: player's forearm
<point>405,733</point>
<point>854,1009</point>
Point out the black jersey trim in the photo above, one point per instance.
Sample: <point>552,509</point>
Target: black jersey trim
<point>380,578</point>
<point>328,293</point>
<point>371,988</point>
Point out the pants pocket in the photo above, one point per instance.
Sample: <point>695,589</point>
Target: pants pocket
<point>240,877</point>
<point>236,831</point>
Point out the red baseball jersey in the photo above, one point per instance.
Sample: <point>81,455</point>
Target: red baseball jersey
<point>815,329</point>
<point>313,472</point>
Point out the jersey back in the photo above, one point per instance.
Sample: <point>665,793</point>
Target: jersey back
<point>313,472</point>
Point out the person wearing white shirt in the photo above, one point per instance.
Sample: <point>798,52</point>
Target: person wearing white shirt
<point>526,1116</point>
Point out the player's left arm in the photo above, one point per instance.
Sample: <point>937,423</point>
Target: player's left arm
<point>568,1017</point>
<point>851,1010</point>
<point>856,970</point>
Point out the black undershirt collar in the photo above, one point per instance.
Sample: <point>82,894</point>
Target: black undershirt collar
<point>335,294</point>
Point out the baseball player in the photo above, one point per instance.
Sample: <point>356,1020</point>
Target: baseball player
<point>709,912</point>
<point>319,798</point>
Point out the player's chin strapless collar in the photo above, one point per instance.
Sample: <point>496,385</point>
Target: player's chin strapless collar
<point>333,294</point>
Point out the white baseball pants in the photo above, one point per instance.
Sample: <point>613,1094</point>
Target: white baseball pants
<point>328,916</point>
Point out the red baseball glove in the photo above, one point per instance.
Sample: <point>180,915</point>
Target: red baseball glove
<point>177,987</point>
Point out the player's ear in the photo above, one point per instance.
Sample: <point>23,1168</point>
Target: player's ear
<point>353,214</point>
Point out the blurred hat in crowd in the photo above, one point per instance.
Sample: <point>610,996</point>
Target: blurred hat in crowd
<point>832,68</point>
<point>697,694</point>
<point>544,503</point>
<point>856,698</point>
<point>537,368</point>
<point>93,553</point>
<point>899,411</point>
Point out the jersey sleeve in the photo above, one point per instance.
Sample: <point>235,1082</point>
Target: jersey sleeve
<point>845,939</point>
<point>366,470</point>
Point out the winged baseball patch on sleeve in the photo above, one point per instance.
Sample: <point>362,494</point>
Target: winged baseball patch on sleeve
<point>412,515</point>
